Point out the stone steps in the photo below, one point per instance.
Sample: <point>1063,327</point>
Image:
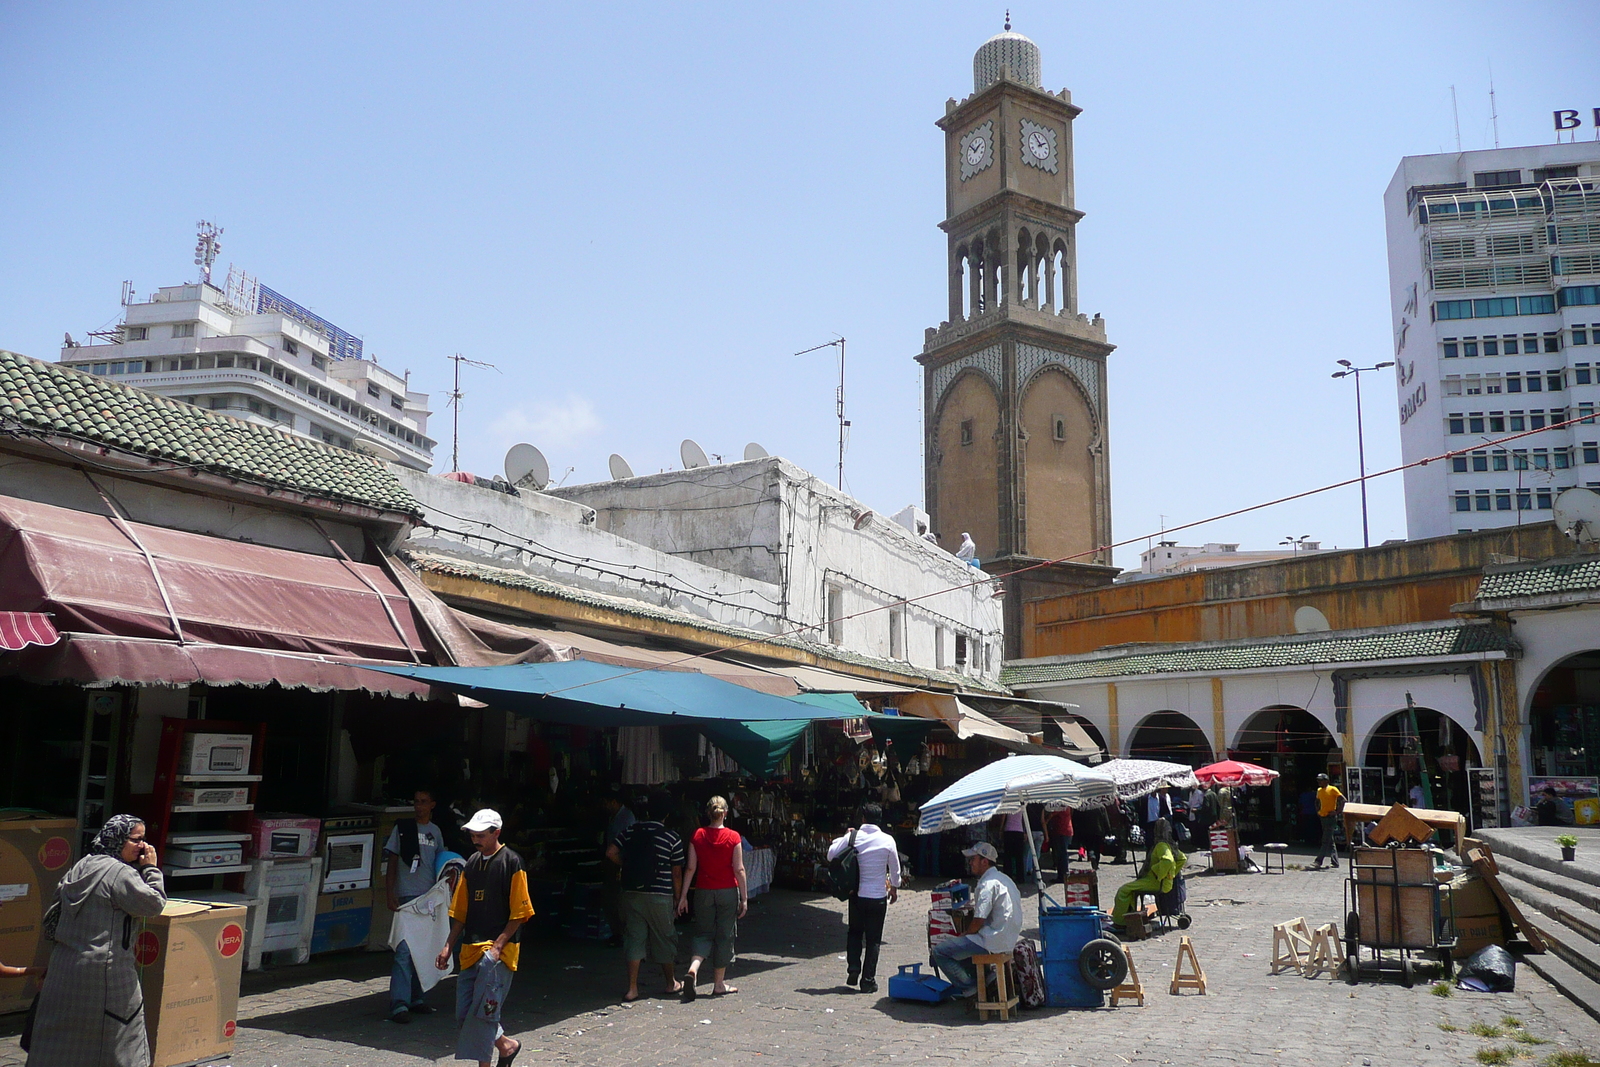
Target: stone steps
<point>1562,901</point>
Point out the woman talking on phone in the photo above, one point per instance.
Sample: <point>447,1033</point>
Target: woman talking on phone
<point>90,1012</point>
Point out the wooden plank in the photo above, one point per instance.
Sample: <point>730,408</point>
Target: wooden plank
<point>1484,865</point>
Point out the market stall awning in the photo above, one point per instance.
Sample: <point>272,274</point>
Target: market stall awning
<point>585,693</point>
<point>1077,743</point>
<point>583,646</point>
<point>1008,784</point>
<point>963,720</point>
<point>822,680</point>
<point>136,603</point>
<point>19,629</point>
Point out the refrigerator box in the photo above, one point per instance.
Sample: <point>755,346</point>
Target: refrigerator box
<point>199,854</point>
<point>344,920</point>
<point>34,853</point>
<point>216,754</point>
<point>210,796</point>
<point>190,960</point>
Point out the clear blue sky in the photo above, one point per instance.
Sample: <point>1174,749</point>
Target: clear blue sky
<point>638,212</point>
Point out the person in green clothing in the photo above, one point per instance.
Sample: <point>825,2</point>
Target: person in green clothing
<point>1162,865</point>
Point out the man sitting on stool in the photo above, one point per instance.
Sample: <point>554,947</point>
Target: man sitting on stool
<point>995,925</point>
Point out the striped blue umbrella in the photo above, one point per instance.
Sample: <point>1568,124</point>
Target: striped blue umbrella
<point>1008,784</point>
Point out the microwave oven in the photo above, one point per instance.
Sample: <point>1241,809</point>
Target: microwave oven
<point>347,861</point>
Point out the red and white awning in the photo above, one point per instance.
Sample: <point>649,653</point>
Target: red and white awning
<point>19,629</point>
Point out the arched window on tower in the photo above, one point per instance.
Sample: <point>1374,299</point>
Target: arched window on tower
<point>961,305</point>
<point>1063,283</point>
<point>1027,276</point>
<point>1045,269</point>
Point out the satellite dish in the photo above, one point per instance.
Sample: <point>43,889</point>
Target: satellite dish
<point>526,467</point>
<point>693,455</point>
<point>620,468</point>
<point>754,451</point>
<point>1577,512</point>
<point>376,451</point>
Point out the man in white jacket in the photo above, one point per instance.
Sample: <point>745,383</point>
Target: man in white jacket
<point>878,863</point>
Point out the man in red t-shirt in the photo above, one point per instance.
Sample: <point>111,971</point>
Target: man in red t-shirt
<point>721,896</point>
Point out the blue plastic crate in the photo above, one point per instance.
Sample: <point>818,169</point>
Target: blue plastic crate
<point>912,984</point>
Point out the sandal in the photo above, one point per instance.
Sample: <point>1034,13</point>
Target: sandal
<point>724,991</point>
<point>688,993</point>
<point>505,1061</point>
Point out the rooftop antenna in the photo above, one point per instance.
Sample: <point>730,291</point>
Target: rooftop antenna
<point>1456,111</point>
<point>206,248</point>
<point>1494,115</point>
<point>455,396</point>
<point>127,293</point>
<point>844,423</point>
<point>1008,20</point>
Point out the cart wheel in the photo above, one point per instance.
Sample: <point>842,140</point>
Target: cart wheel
<point>1352,968</point>
<point>1183,921</point>
<point>1408,973</point>
<point>1102,964</point>
<point>1447,964</point>
<point>1352,933</point>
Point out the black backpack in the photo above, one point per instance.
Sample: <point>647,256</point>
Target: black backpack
<point>844,870</point>
<point>640,861</point>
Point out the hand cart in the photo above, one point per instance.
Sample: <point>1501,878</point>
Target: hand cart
<point>1395,905</point>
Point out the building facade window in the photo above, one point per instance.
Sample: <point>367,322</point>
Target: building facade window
<point>137,333</point>
<point>1463,500</point>
<point>183,329</point>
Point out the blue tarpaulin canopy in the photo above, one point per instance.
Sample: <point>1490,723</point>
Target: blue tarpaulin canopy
<point>586,693</point>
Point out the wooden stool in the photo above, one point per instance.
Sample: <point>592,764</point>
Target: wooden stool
<point>1193,979</point>
<point>1291,946</point>
<point>1274,848</point>
<point>1005,981</point>
<point>1131,988</point>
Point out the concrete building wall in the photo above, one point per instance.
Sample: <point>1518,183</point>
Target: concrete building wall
<point>835,567</point>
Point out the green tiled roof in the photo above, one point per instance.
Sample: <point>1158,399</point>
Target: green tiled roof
<point>58,400</point>
<point>520,580</point>
<point>1447,640</point>
<point>1547,579</point>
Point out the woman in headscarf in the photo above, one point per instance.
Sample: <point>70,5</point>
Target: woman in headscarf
<point>91,1010</point>
<point>1162,865</point>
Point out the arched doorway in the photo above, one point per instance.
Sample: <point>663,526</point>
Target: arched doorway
<point>1564,719</point>
<point>1293,742</point>
<point>1420,748</point>
<point>1170,736</point>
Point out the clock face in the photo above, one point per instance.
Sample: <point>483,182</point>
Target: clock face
<point>1039,146</point>
<point>977,150</point>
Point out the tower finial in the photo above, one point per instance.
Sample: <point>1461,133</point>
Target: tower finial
<point>1008,20</point>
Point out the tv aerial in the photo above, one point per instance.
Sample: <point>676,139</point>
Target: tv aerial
<point>755,451</point>
<point>526,467</point>
<point>693,455</point>
<point>1577,513</point>
<point>619,468</point>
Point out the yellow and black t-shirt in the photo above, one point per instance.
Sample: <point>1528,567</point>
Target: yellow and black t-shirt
<point>491,892</point>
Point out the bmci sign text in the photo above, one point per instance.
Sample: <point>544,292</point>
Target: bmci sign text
<point>1570,119</point>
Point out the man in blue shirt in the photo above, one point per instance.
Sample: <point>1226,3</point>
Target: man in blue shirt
<point>411,854</point>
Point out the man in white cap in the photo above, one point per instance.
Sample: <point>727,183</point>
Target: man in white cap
<point>486,915</point>
<point>996,921</point>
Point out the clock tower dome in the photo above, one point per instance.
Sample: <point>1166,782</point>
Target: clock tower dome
<point>1014,381</point>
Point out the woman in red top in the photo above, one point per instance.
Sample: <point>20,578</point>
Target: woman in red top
<point>716,870</point>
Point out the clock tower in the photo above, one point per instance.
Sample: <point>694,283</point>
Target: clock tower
<point>1014,381</point>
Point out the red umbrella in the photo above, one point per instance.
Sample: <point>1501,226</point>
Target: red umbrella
<point>1235,772</point>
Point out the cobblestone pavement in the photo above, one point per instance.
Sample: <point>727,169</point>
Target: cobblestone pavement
<point>793,1006</point>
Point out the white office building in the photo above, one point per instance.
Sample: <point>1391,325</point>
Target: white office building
<point>255,355</point>
<point>1494,278</point>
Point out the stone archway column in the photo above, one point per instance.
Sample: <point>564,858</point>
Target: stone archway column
<point>1113,725</point>
<point>1219,724</point>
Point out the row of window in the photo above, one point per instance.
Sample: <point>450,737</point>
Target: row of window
<point>971,652</point>
<point>1513,422</point>
<point>1532,382</point>
<point>1501,499</point>
<point>1494,307</point>
<point>1521,459</point>
<point>1506,345</point>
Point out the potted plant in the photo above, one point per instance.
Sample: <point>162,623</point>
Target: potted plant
<point>1569,846</point>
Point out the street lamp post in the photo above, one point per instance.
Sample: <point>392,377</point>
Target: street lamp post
<point>1295,543</point>
<point>1361,441</point>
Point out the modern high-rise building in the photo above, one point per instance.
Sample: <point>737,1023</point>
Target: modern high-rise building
<point>250,353</point>
<point>1494,279</point>
<point>1014,380</point>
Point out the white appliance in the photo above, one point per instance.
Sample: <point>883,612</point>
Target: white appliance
<point>288,888</point>
<point>201,854</point>
<point>347,861</point>
<point>216,754</point>
<point>211,796</point>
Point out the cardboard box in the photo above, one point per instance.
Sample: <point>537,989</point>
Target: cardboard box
<point>210,796</point>
<point>216,754</point>
<point>1471,896</point>
<point>344,920</point>
<point>190,959</point>
<point>34,854</point>
<point>1475,931</point>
